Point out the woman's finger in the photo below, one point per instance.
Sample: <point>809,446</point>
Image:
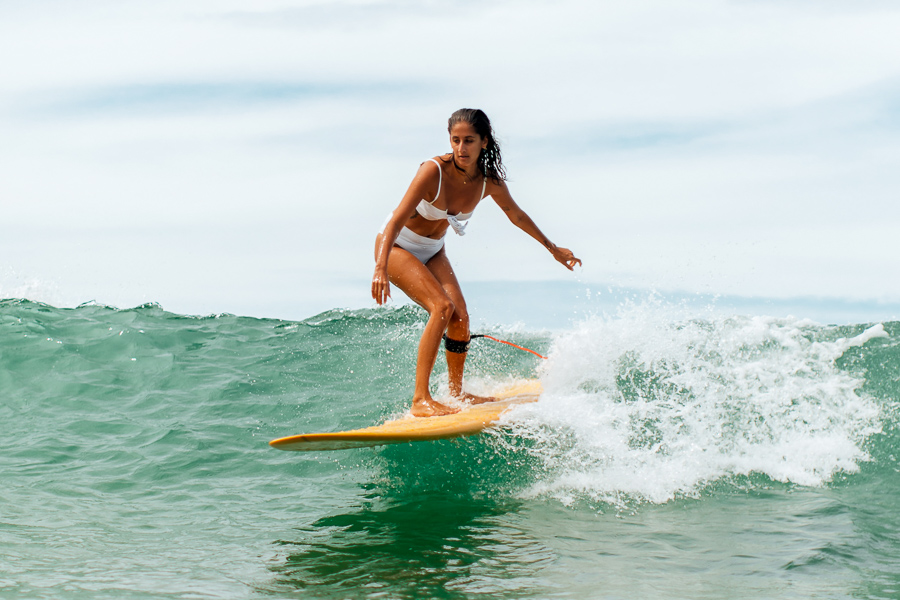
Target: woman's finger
<point>381,291</point>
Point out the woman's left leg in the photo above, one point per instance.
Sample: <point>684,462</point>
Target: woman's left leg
<point>458,327</point>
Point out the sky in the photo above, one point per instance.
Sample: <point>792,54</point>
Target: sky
<point>239,156</point>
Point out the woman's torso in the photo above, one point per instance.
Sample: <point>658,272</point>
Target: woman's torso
<point>451,196</point>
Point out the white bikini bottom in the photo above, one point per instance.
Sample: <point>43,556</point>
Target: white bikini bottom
<point>423,248</point>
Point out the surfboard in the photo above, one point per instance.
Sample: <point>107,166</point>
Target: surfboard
<point>469,421</point>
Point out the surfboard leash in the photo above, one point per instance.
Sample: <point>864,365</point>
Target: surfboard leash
<point>490,337</point>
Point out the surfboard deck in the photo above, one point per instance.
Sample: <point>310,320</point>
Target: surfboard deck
<point>469,421</point>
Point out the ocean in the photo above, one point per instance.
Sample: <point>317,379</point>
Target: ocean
<point>675,453</point>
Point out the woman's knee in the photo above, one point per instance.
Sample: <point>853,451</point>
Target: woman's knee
<point>460,318</point>
<point>443,308</point>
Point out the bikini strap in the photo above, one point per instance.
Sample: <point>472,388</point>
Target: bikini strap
<point>440,172</point>
<point>483,187</point>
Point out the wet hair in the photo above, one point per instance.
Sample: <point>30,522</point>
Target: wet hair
<point>489,161</point>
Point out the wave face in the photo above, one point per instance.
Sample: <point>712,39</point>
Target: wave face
<point>134,458</point>
<point>650,406</point>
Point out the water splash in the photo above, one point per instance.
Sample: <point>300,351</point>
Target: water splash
<point>649,405</point>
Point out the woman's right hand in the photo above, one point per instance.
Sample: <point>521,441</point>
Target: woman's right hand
<point>381,286</point>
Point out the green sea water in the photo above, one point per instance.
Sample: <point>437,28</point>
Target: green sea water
<point>671,456</point>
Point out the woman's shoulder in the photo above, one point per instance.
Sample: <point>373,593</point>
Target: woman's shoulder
<point>435,162</point>
<point>494,185</point>
<point>431,168</point>
<point>428,178</point>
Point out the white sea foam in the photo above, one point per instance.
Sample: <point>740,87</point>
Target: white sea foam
<point>651,405</point>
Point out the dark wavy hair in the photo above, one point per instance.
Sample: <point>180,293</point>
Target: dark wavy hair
<point>489,161</point>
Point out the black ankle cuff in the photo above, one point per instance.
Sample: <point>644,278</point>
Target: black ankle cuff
<point>455,346</point>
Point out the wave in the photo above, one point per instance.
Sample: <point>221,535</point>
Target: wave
<point>645,405</point>
<point>652,406</point>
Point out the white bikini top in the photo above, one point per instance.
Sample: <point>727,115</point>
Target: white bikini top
<point>432,213</point>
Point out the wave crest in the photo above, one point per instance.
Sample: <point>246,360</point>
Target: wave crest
<point>649,406</point>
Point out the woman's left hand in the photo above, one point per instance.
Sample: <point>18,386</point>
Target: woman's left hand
<point>565,256</point>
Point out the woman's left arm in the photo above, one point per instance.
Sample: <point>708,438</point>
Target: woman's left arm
<point>518,217</point>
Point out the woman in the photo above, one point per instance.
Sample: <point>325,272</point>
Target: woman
<point>409,250</point>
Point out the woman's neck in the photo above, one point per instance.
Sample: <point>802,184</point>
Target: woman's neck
<point>465,175</point>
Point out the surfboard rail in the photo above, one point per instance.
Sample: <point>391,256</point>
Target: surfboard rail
<point>469,421</point>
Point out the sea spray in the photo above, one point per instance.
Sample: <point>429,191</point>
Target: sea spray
<point>649,405</point>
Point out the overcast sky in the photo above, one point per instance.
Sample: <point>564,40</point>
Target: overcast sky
<point>239,156</point>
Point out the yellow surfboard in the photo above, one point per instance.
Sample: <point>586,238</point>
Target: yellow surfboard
<point>417,429</point>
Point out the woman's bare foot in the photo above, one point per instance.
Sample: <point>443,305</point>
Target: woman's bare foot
<point>473,399</point>
<point>427,407</point>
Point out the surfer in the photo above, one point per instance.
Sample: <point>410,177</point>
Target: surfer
<point>409,249</point>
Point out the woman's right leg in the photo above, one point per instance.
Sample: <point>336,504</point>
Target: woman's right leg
<point>409,274</point>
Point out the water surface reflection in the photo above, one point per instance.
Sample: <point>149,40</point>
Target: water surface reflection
<point>432,547</point>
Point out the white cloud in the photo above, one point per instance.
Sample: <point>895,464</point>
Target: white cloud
<point>708,145</point>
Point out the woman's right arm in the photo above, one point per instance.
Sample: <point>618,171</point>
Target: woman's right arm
<point>426,178</point>
<point>381,287</point>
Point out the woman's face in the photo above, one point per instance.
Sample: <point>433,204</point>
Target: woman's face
<point>466,144</point>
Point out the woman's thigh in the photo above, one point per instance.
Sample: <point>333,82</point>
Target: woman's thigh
<point>415,279</point>
<point>442,271</point>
